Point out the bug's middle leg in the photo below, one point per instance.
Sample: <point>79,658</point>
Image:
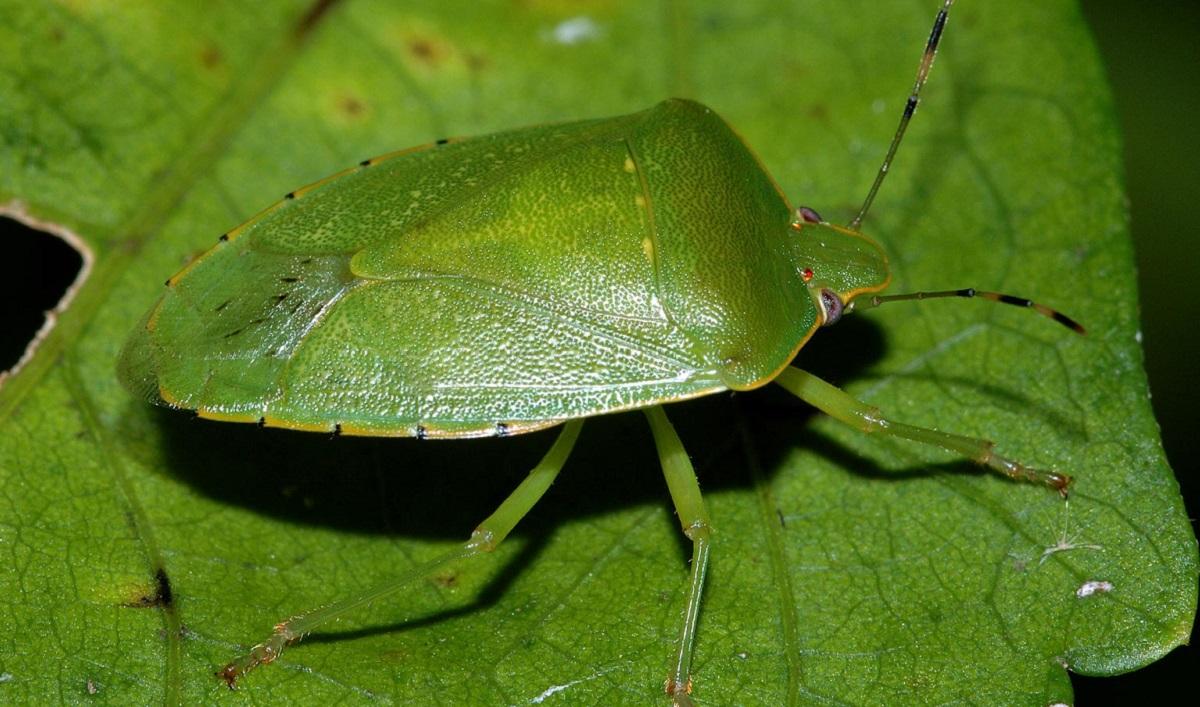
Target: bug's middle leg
<point>689,506</point>
<point>838,404</point>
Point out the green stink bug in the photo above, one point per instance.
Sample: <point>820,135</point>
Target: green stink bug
<point>640,282</point>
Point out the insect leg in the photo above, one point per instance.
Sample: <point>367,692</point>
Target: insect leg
<point>689,506</point>
<point>485,538</point>
<point>832,401</point>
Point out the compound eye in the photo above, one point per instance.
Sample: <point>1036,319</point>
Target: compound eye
<point>831,306</point>
<point>808,215</point>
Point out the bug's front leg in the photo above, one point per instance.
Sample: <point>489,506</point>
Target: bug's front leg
<point>689,506</point>
<point>836,403</point>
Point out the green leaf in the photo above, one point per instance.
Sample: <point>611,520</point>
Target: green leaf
<point>844,568</point>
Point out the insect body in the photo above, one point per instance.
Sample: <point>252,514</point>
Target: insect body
<point>502,284</point>
<point>523,280</point>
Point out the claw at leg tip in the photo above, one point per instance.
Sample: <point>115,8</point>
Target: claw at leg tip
<point>230,675</point>
<point>1061,483</point>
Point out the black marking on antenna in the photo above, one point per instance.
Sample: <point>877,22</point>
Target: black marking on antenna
<point>935,35</point>
<point>1068,322</point>
<point>1010,299</point>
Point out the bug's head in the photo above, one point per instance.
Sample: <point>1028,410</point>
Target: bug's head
<point>837,263</point>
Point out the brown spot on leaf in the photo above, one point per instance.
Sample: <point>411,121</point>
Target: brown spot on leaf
<point>351,106</point>
<point>211,56</point>
<point>423,50</point>
<point>477,62</point>
<point>426,51</point>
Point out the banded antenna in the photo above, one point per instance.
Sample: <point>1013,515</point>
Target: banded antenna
<point>910,107</point>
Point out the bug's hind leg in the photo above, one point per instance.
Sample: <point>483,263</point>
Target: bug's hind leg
<point>837,404</point>
<point>485,538</point>
<point>689,506</point>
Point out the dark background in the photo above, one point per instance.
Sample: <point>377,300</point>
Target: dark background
<point>1152,53</point>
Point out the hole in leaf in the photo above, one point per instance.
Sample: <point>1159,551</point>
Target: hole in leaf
<point>37,267</point>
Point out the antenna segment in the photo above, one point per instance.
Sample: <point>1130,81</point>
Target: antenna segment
<point>931,47</point>
<point>1041,309</point>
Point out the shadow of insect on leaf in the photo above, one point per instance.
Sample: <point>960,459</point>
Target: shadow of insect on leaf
<point>427,489</point>
<point>495,590</point>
